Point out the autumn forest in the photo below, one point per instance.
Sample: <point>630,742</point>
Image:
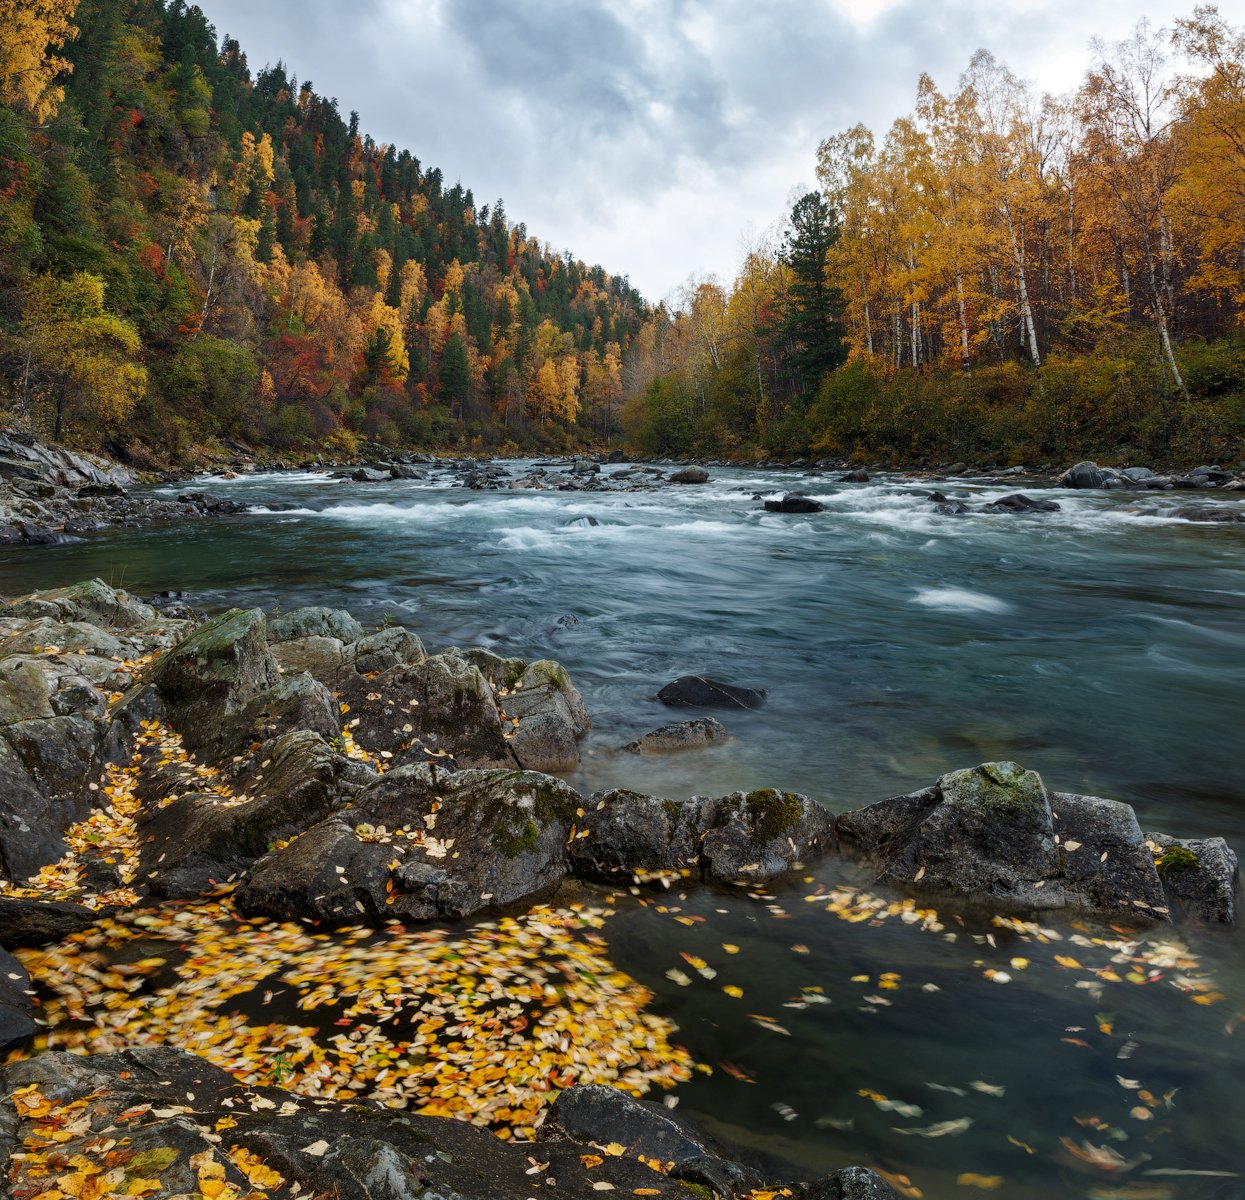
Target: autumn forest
<point>195,253</point>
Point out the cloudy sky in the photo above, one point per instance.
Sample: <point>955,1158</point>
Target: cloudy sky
<point>655,137</point>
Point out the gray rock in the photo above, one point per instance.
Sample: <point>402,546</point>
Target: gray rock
<point>387,648</point>
<point>314,622</point>
<point>1020,504</point>
<point>1104,859</point>
<point>1219,514</point>
<point>31,825</point>
<point>1085,475</point>
<point>25,691</point>
<point>761,835</point>
<point>93,602</point>
<point>68,636</point>
<point>324,658</point>
<point>990,836</point>
<point>690,475</point>
<point>199,841</point>
<point>215,672</point>
<point>297,702</point>
<point>1199,876</point>
<point>490,839</point>
<point>682,735</point>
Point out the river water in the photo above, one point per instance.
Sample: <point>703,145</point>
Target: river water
<point>1102,645</point>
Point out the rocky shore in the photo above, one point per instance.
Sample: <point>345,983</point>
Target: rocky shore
<point>301,768</point>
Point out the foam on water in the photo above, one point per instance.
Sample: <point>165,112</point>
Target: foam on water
<point>959,600</point>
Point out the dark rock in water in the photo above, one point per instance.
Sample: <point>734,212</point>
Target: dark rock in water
<point>567,621</point>
<point>214,673</point>
<point>851,1183</point>
<point>314,622</point>
<point>740,838</point>
<point>690,475</point>
<point>600,1115</point>
<point>200,841</point>
<point>952,508</point>
<point>31,923</point>
<point>993,833</point>
<point>551,718</point>
<point>683,735</point>
<point>17,1021</point>
<point>217,506</point>
<point>483,840</point>
<point>792,503</point>
<point>860,476</point>
<point>616,456</point>
<point>1220,514</point>
<point>369,475</point>
<point>1021,504</point>
<point>1199,876</point>
<point>697,691</point>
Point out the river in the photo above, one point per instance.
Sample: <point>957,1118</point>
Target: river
<point>1102,645</point>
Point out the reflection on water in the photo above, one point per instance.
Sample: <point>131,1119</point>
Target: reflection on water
<point>1102,645</point>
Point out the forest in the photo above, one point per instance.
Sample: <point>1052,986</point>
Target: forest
<point>195,254</point>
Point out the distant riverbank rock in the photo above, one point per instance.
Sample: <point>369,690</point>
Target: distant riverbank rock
<point>690,475</point>
<point>793,503</point>
<point>698,691</point>
<point>994,834</point>
<point>683,735</point>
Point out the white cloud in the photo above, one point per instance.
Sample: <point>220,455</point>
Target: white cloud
<point>650,135</point>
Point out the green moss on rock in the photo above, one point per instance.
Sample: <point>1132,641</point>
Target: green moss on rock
<point>1176,858</point>
<point>773,813</point>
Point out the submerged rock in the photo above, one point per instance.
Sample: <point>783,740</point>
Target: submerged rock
<point>698,691</point>
<point>682,735</point>
<point>1020,504</point>
<point>1219,514</point>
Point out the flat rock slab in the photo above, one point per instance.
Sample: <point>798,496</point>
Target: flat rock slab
<point>32,923</point>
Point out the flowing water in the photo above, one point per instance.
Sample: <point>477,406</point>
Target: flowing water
<point>1102,645</point>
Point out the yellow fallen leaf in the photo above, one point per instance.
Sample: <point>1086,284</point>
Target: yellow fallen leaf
<point>987,1183</point>
<point>731,990</point>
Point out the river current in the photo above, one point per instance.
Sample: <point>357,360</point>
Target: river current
<point>1102,645</point>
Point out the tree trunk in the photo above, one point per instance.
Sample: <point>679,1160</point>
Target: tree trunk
<point>1022,287</point>
<point>965,362</point>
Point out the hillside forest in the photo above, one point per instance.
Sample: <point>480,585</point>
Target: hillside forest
<point>195,254</point>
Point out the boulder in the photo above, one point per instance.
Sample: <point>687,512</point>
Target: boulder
<point>214,673</point>
<point>682,735</point>
<point>627,837</point>
<point>994,833</point>
<point>67,636</point>
<point>31,825</point>
<point>551,718</point>
<point>17,1018</point>
<point>440,705</point>
<point>690,475</point>
<point>422,844</point>
<point>200,841</point>
<point>793,503</point>
<point>31,923</point>
<point>859,476</point>
<point>1199,876</point>
<point>1089,475</point>
<point>391,647</point>
<point>698,691</point>
<point>296,703</point>
<point>1020,504</point>
<point>25,691</point>
<point>314,622</point>
<point>324,658</point>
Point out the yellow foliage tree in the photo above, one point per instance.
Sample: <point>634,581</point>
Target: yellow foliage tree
<point>32,32</point>
<point>78,356</point>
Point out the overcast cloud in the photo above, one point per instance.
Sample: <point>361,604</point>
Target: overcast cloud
<point>652,136</point>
